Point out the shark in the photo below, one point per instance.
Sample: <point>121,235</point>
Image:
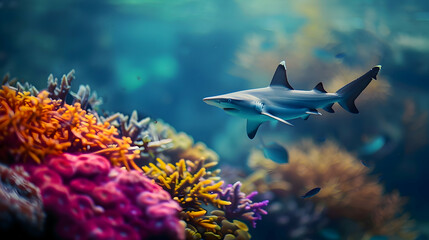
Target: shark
<point>281,102</point>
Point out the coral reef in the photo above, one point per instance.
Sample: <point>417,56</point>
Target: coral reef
<point>142,133</point>
<point>293,218</point>
<point>32,127</point>
<point>21,204</point>
<point>156,139</point>
<point>347,189</point>
<point>86,98</point>
<point>241,205</point>
<point>90,199</point>
<point>88,196</point>
<point>16,85</point>
<point>197,189</point>
<point>189,188</point>
<point>61,92</point>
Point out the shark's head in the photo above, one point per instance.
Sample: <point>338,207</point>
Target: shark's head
<point>237,104</point>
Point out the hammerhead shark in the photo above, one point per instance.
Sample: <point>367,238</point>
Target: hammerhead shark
<point>281,102</point>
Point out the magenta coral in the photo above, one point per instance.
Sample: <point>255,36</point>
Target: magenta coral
<point>94,201</point>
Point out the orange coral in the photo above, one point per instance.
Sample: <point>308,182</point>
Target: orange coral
<point>32,127</point>
<point>347,189</point>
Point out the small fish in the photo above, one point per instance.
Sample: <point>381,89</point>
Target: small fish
<point>340,55</point>
<point>373,146</point>
<point>275,152</point>
<point>311,193</point>
<point>365,162</point>
<point>328,54</point>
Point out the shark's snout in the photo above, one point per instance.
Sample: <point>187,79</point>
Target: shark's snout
<point>207,99</point>
<point>211,100</point>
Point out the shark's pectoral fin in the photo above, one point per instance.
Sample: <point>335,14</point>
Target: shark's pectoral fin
<point>329,108</point>
<point>276,118</point>
<point>252,128</point>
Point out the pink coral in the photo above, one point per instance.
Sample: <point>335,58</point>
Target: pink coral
<point>94,201</point>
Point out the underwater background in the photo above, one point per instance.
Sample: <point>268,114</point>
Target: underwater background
<point>159,59</point>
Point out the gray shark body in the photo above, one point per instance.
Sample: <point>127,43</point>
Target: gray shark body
<point>281,102</point>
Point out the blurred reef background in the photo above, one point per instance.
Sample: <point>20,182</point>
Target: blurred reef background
<point>134,100</point>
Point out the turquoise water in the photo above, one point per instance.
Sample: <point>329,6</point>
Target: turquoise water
<point>162,58</point>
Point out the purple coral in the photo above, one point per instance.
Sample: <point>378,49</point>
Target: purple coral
<point>91,200</point>
<point>242,206</point>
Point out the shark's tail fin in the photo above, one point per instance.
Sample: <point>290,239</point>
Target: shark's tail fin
<point>352,90</point>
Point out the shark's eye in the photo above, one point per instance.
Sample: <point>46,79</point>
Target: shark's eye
<point>229,100</point>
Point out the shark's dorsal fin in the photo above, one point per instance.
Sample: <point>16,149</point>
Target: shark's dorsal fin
<point>252,128</point>
<point>319,87</point>
<point>280,77</point>
<point>276,118</point>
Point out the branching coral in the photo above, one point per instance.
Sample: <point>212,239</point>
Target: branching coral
<point>194,187</point>
<point>26,126</point>
<point>142,133</point>
<point>92,200</point>
<point>347,189</point>
<point>21,204</point>
<point>13,83</point>
<point>32,127</point>
<point>60,93</point>
<point>190,190</point>
<point>83,96</point>
<point>86,98</point>
<point>241,205</point>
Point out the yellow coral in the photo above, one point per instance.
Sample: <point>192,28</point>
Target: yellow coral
<point>185,187</point>
<point>347,189</point>
<point>191,187</point>
<point>32,127</point>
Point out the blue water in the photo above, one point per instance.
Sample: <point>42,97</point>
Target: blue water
<point>162,57</point>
